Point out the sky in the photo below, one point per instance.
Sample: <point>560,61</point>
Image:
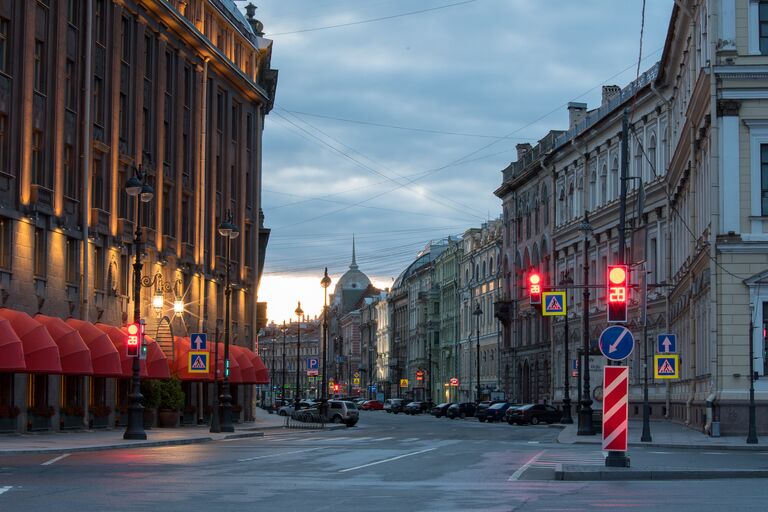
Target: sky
<point>393,119</point>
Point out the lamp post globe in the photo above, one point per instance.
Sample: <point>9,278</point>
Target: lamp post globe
<point>477,312</point>
<point>325,282</point>
<point>299,312</point>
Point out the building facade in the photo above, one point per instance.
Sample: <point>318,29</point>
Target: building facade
<point>447,288</point>
<point>178,90</point>
<point>280,351</point>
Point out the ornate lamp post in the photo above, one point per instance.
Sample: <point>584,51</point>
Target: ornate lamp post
<point>477,312</point>
<point>282,379</point>
<point>137,187</point>
<point>567,418</point>
<point>585,413</point>
<point>229,232</point>
<point>325,282</point>
<point>299,312</point>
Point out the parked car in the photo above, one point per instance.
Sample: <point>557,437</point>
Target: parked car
<point>440,409</point>
<point>372,405</point>
<point>462,410</point>
<point>533,414</point>
<point>497,411</point>
<point>394,405</point>
<point>359,401</point>
<point>482,409</point>
<point>415,408</point>
<point>342,411</point>
<point>287,409</point>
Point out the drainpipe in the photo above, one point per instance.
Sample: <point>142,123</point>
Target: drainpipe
<point>199,219</point>
<point>86,163</point>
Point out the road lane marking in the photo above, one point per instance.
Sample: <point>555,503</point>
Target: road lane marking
<point>387,460</point>
<point>383,438</point>
<point>522,469</point>
<point>5,489</point>
<point>410,439</point>
<point>49,462</point>
<point>661,453</point>
<point>712,453</point>
<point>279,454</point>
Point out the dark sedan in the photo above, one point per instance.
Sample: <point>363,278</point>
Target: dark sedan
<point>497,411</point>
<point>462,410</point>
<point>533,414</point>
<point>481,413</point>
<point>416,408</point>
<point>440,409</point>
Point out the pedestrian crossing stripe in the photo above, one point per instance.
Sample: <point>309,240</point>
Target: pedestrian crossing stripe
<point>553,304</point>
<point>198,361</point>
<point>666,366</point>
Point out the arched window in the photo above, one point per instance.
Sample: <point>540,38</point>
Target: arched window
<point>639,167</point>
<point>654,165</point>
<point>604,184</point>
<point>490,265</point>
<point>477,271</point>
<point>466,279</point>
<point>571,204</point>
<point>483,270</point>
<point>545,204</point>
<point>592,190</point>
<point>615,178</point>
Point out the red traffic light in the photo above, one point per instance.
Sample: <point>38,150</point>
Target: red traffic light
<point>617,293</point>
<point>534,288</point>
<point>133,342</point>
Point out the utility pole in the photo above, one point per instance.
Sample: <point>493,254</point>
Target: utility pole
<point>616,458</point>
<point>752,434</point>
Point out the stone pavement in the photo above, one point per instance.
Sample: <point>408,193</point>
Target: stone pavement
<point>666,434</point>
<point>58,442</point>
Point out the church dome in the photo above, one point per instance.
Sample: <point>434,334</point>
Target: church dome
<point>353,279</point>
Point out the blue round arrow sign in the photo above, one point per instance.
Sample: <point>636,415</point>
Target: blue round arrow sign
<point>616,342</point>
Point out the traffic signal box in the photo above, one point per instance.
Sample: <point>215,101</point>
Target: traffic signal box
<point>133,344</point>
<point>534,288</point>
<point>618,293</point>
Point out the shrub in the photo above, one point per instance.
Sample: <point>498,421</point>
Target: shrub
<point>9,411</point>
<point>163,394</point>
<point>45,411</point>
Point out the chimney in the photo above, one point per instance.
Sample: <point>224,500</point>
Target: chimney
<point>256,25</point>
<point>576,111</point>
<point>609,92</point>
<point>522,149</point>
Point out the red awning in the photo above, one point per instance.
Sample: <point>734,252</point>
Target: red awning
<point>11,349</point>
<point>180,366</point>
<point>118,339</point>
<point>41,354</point>
<point>262,374</point>
<point>157,363</point>
<point>235,375</point>
<point>247,371</point>
<point>74,353</point>
<point>104,356</point>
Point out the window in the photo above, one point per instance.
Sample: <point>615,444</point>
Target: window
<point>615,178</point>
<point>125,271</point>
<point>764,179</point>
<point>126,39</point>
<point>71,174</point>
<point>3,143</point>
<point>39,67</point>
<point>72,252</point>
<point>98,264</point>
<point>99,20</point>
<point>41,251</point>
<point>763,27</point>
<point>604,185</point>
<point>652,157</point>
<point>38,171</point>
<point>5,46</point>
<point>72,6</point>
<point>97,183</point>
<point>6,241</point>
<point>69,88</point>
<point>98,101</point>
<point>765,340</point>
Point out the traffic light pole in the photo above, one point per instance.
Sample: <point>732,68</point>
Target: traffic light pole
<point>616,458</point>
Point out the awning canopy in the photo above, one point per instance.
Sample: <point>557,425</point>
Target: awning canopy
<point>74,353</point>
<point>104,356</point>
<point>118,339</point>
<point>262,374</point>
<point>180,365</point>
<point>11,349</point>
<point>41,354</point>
<point>247,371</point>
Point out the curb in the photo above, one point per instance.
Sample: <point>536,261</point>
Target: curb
<point>244,435</point>
<point>574,473</point>
<point>743,448</point>
<point>135,444</point>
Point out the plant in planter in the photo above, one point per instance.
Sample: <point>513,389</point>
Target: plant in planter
<point>44,411</point>
<point>100,415</point>
<point>73,410</point>
<point>8,418</point>
<point>169,399</point>
<point>39,417</point>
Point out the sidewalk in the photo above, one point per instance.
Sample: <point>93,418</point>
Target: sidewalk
<point>78,441</point>
<point>666,434</point>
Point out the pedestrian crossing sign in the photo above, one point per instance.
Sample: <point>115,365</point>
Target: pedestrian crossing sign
<point>198,361</point>
<point>666,366</point>
<point>553,304</point>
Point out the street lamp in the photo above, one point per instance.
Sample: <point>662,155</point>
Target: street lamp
<point>299,312</point>
<point>229,232</point>
<point>752,432</point>
<point>282,379</point>
<point>137,187</point>
<point>325,282</point>
<point>565,281</point>
<point>477,312</point>
<point>585,413</point>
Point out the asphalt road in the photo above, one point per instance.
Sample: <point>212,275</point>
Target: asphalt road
<point>387,463</point>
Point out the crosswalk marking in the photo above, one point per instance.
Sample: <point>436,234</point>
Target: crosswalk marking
<point>5,489</point>
<point>410,439</point>
<point>384,439</point>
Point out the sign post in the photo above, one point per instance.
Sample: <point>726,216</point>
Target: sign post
<point>615,408</point>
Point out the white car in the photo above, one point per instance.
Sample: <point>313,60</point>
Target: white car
<point>286,410</point>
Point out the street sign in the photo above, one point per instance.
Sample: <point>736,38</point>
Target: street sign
<point>313,366</point>
<point>356,381</point>
<point>454,382</point>
<point>666,366</point>
<point>553,304</point>
<point>420,375</point>
<point>403,383</point>
<point>198,361</point>
<point>667,344</point>
<point>615,407</point>
<point>616,342</point>
<point>199,341</point>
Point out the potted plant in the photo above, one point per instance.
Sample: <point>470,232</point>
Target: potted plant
<point>39,417</point>
<point>100,416</point>
<point>8,418</point>
<point>71,417</point>
<point>189,414</point>
<point>170,400</point>
<point>151,400</point>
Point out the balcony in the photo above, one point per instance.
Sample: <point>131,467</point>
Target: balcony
<point>169,244</point>
<point>125,229</point>
<point>41,199</point>
<point>188,252</point>
<point>100,221</point>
